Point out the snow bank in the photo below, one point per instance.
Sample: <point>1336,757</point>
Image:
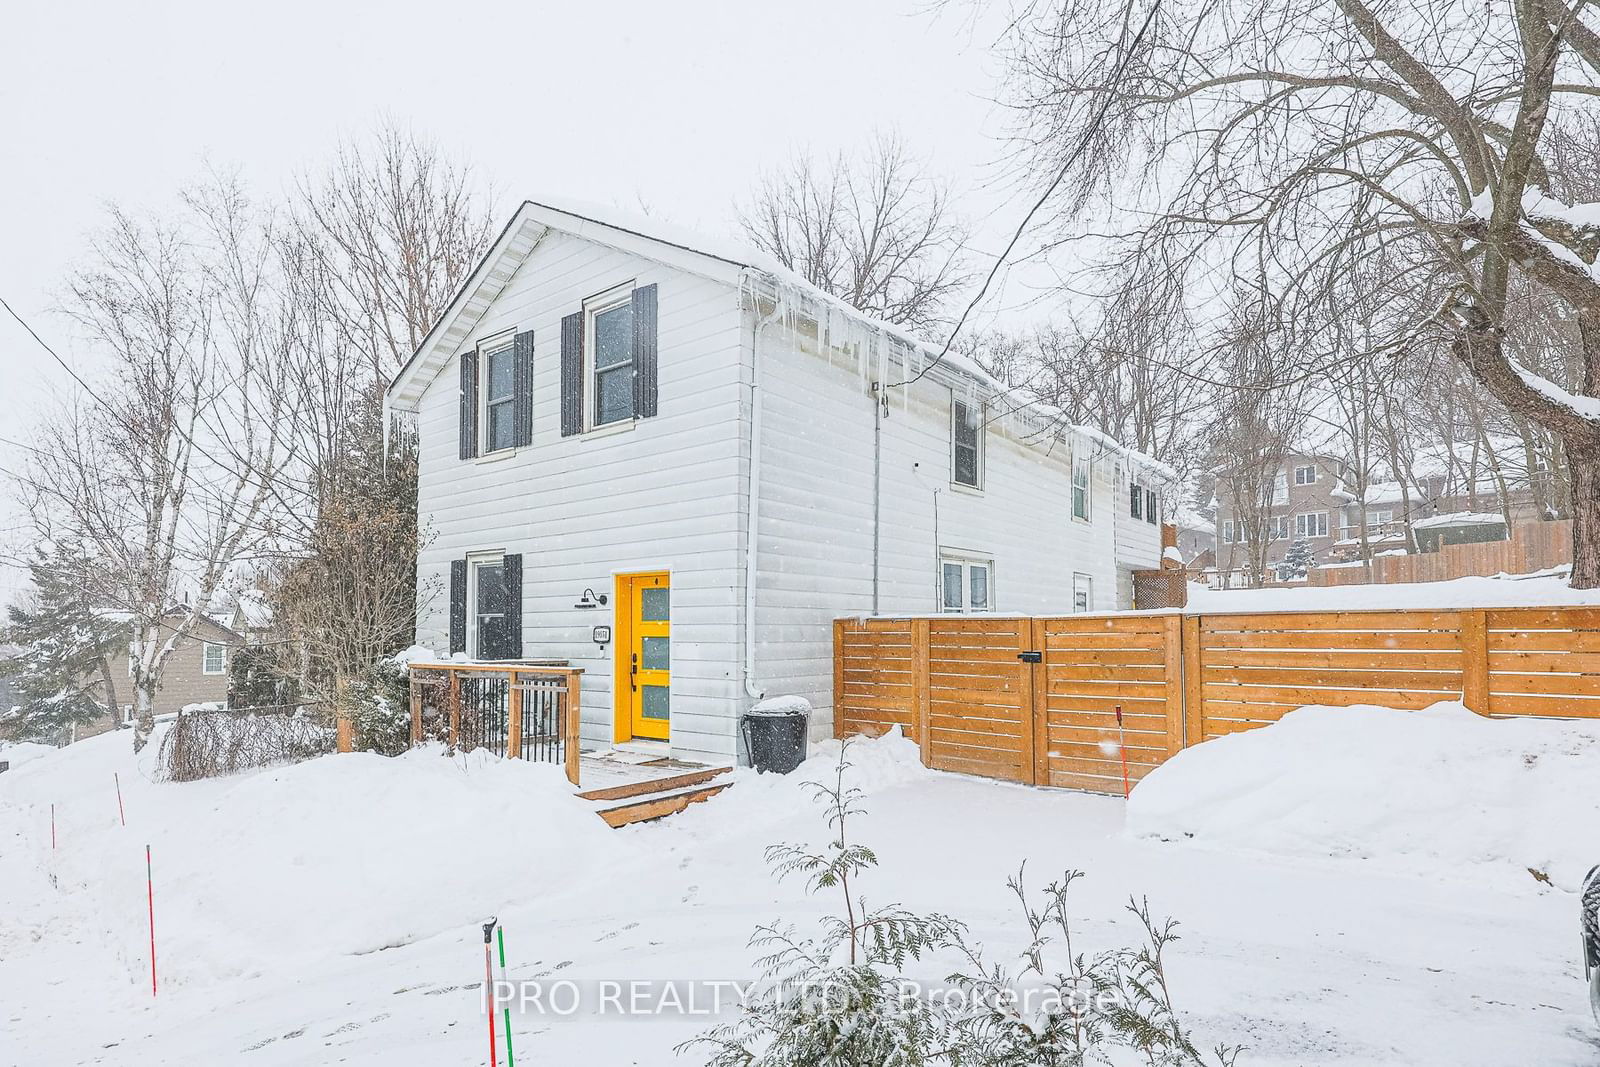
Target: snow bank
<point>1439,789</point>
<point>20,752</point>
<point>1500,592</point>
<point>345,854</point>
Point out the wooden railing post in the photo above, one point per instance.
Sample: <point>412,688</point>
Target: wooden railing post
<point>513,717</point>
<point>344,733</point>
<point>920,697</point>
<point>416,710</point>
<point>838,679</point>
<point>1193,687</point>
<point>455,710</point>
<point>569,737</point>
<point>1474,631</point>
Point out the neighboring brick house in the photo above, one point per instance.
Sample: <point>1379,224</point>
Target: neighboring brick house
<point>1313,501</point>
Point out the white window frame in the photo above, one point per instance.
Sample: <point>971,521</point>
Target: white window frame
<point>956,404</point>
<point>1227,532</point>
<point>474,561</point>
<point>1080,463</point>
<point>1280,488</point>
<point>505,340</point>
<point>967,563</point>
<point>599,304</point>
<point>1135,499</point>
<point>1311,524</point>
<point>1310,472</point>
<point>1082,585</point>
<point>205,658</point>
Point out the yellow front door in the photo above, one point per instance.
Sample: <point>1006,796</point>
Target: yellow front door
<point>644,667</point>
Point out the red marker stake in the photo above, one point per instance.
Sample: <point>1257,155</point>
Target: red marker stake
<point>120,813</point>
<point>1122,749</point>
<point>150,895</point>
<point>488,988</point>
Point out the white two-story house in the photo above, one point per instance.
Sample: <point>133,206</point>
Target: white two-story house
<point>672,463</point>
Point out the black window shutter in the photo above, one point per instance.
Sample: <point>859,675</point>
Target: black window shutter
<point>458,606</point>
<point>522,387</point>
<point>572,374</point>
<point>644,351</point>
<point>512,563</point>
<point>469,404</point>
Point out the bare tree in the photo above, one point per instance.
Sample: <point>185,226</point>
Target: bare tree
<point>875,231</point>
<point>163,471</point>
<point>1303,137</point>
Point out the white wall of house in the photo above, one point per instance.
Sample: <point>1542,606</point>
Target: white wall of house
<point>662,494</point>
<point>816,513</point>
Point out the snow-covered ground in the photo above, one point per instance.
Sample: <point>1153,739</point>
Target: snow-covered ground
<point>327,912</point>
<point>1502,591</point>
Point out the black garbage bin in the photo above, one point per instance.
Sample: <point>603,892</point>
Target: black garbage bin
<point>776,738</point>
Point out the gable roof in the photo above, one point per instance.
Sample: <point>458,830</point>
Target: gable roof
<point>722,259</point>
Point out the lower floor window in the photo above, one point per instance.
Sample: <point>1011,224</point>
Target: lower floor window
<point>488,600</point>
<point>216,658</point>
<point>967,584</point>
<point>1082,592</point>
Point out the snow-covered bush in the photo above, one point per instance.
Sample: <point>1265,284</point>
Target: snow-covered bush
<point>381,708</point>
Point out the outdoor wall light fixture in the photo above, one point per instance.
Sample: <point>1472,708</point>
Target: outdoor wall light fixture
<point>590,599</point>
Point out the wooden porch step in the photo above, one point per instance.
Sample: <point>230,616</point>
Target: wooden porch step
<point>656,799</point>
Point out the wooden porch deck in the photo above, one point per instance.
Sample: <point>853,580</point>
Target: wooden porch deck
<point>625,787</point>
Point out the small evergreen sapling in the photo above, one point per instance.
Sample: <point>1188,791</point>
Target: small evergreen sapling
<point>836,998</point>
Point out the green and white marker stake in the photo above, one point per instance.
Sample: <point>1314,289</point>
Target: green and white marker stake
<point>511,1057</point>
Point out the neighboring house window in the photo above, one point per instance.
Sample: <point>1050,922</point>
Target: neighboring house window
<point>1305,475</point>
<point>1280,489</point>
<point>486,599</point>
<point>1082,593</point>
<point>1227,532</point>
<point>1278,527</point>
<point>1136,500</point>
<point>497,365</point>
<point>216,658</point>
<point>1311,524</point>
<point>966,438</point>
<point>1080,489</point>
<point>966,585</point>
<point>1381,518</point>
<point>1152,511</point>
<point>611,357</point>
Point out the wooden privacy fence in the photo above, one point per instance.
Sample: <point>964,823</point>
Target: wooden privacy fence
<point>1034,700</point>
<point>1533,546</point>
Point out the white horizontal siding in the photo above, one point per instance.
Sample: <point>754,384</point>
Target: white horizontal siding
<point>664,495</point>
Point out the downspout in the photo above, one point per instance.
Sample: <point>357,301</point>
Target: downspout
<point>753,493</point>
<point>877,487</point>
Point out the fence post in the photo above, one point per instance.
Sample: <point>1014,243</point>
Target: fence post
<point>1474,633</point>
<point>920,696</point>
<point>455,709</point>
<point>1028,681</point>
<point>513,717</point>
<point>1172,646</point>
<point>1193,688</point>
<point>570,727</point>
<point>838,679</point>
<point>1040,704</point>
<point>344,732</point>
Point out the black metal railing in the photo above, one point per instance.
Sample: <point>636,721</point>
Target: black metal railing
<point>527,711</point>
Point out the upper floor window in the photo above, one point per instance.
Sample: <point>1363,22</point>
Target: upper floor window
<point>498,367</point>
<point>611,334</point>
<point>1227,532</point>
<point>1305,475</point>
<point>214,658</point>
<point>1152,507</point>
<point>966,585</point>
<point>1311,524</point>
<point>1280,489</point>
<point>966,441</point>
<point>1278,527</point>
<point>1080,489</point>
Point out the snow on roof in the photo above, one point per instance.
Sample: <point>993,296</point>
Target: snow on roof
<point>253,607</point>
<point>1462,518</point>
<point>737,253</point>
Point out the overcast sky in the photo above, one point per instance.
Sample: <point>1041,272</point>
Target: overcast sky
<point>678,106</point>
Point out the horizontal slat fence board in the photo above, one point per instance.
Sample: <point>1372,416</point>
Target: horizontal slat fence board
<point>958,687</point>
<point>1544,662</point>
<point>1405,659</point>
